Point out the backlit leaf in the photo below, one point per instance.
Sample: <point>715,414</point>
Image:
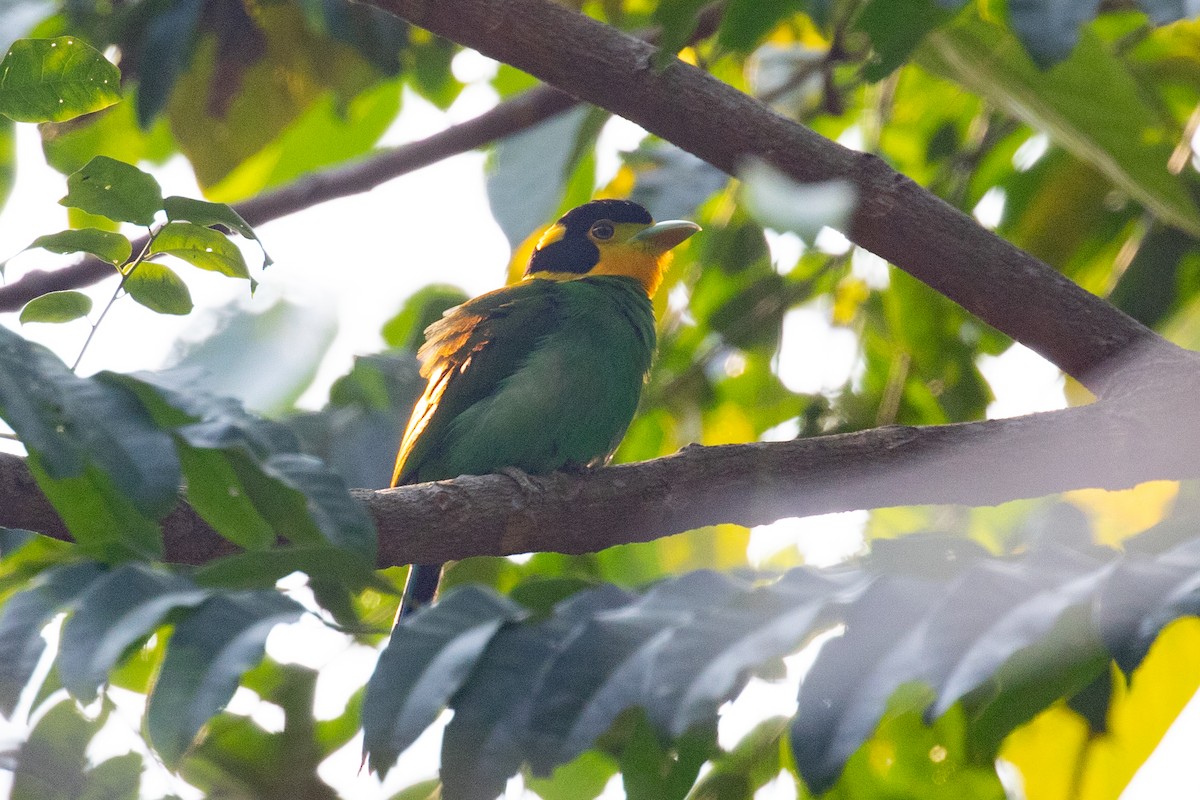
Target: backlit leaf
<point>114,189</point>
<point>158,288</point>
<point>201,247</point>
<point>56,307</point>
<point>106,245</point>
<point>51,80</point>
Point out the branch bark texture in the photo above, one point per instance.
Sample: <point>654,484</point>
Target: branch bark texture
<point>896,219</point>
<point>1108,445</point>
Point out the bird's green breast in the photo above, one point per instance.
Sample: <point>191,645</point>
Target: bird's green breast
<point>554,383</point>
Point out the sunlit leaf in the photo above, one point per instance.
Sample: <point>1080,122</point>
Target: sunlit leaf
<point>201,247</point>
<point>51,80</point>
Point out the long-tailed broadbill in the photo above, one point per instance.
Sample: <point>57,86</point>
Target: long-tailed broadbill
<point>544,374</point>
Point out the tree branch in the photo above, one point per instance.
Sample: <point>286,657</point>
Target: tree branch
<point>511,116</point>
<point>1107,445</point>
<point>517,114</point>
<point>896,218</point>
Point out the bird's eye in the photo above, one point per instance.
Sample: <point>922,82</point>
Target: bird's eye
<point>602,230</point>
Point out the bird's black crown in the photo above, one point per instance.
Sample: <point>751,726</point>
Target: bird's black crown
<point>575,252</point>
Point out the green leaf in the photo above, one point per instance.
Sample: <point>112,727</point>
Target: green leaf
<point>488,737</point>
<point>1089,104</point>
<point>896,28</point>
<point>246,476</point>
<point>56,307</point>
<point>22,618</point>
<point>201,247</point>
<point>8,163</point>
<point>206,656</point>
<point>52,80</point>
<point>427,659</point>
<point>778,202</point>
<point>424,307</point>
<point>262,569</point>
<point>114,189</point>
<point>51,762</point>
<point>745,22</point>
<point>265,359</point>
<point>107,468</point>
<point>529,172</point>
<point>202,212</point>
<point>119,610</point>
<point>105,245</point>
<point>159,288</point>
<point>165,48</point>
<point>677,20</point>
<point>582,779</point>
<point>118,778</point>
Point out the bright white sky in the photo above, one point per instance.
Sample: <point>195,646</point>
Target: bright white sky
<point>356,260</point>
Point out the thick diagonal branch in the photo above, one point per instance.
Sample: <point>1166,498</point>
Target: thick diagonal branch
<point>1104,445</point>
<point>896,219</point>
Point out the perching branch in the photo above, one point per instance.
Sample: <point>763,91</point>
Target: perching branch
<point>1108,445</point>
<point>896,218</point>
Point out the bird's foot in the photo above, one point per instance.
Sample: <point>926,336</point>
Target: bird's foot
<point>522,479</point>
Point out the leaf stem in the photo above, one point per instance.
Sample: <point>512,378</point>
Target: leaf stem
<point>125,273</point>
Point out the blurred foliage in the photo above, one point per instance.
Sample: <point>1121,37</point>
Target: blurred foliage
<point>1029,631</point>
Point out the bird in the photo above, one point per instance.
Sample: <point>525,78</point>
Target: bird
<point>544,374</point>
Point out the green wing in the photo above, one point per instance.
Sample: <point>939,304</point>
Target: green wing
<point>534,376</point>
<point>466,356</point>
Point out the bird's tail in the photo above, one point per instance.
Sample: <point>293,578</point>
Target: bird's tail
<point>420,588</point>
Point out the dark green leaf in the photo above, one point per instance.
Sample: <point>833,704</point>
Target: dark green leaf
<point>56,307</point>
<point>159,289</point>
<point>114,189</point>
<point>52,80</point>
<point>166,48</point>
<point>263,569</point>
<point>24,615</point>
<point>746,22</point>
<point>245,475</point>
<point>119,610</point>
<point>1142,596</point>
<point>201,247</point>
<point>822,738</point>
<point>896,28</point>
<point>108,470</point>
<point>105,245</point>
<point>206,656</point>
<point>427,660</point>
<point>677,19</point>
<point>1163,12</point>
<point>706,663</point>
<point>489,735</point>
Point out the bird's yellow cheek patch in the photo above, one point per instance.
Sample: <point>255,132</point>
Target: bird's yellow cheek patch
<point>633,262</point>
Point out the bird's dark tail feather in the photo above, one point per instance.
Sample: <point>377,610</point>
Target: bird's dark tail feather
<point>419,589</point>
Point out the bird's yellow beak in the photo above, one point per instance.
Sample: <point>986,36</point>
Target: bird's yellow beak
<point>662,236</point>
